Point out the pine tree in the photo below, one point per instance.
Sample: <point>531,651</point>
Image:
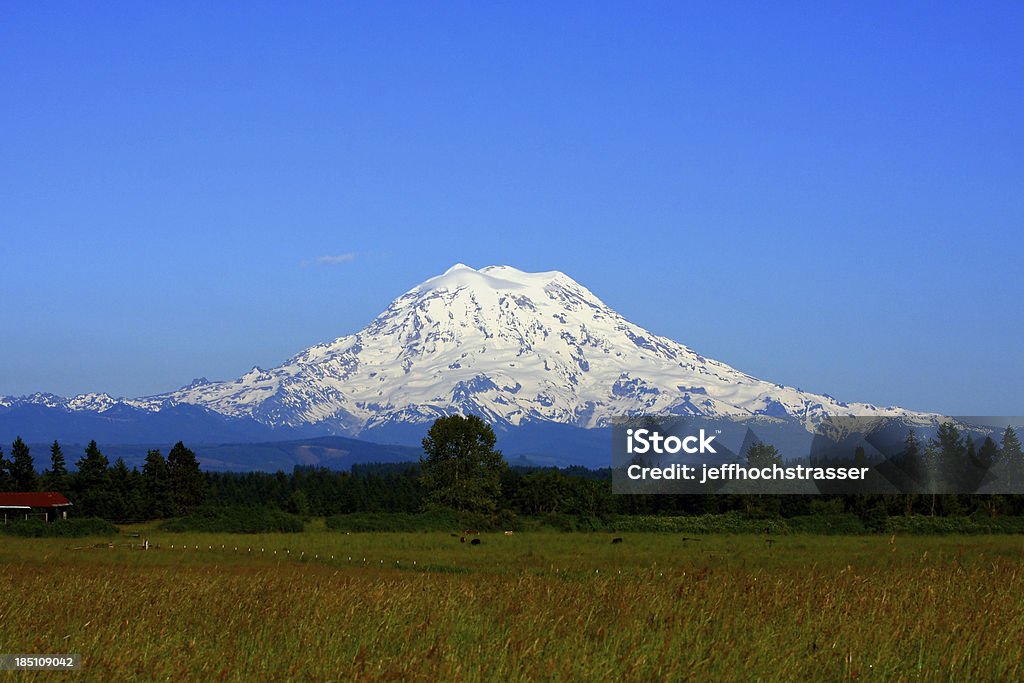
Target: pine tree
<point>188,486</point>
<point>126,490</point>
<point>975,471</point>
<point>22,469</point>
<point>156,484</point>
<point>56,478</point>
<point>933,472</point>
<point>136,504</point>
<point>1012,460</point>
<point>912,464</point>
<point>92,483</point>
<point>952,454</point>
<point>988,453</point>
<point>120,490</point>
<point>1011,449</point>
<point>764,455</point>
<point>6,481</point>
<point>911,460</point>
<point>93,465</point>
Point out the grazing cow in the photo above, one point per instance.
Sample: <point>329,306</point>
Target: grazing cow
<point>617,539</point>
<point>509,533</point>
<point>462,539</point>
<point>475,541</point>
<point>471,532</point>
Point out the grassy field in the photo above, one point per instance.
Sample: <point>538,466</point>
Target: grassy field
<point>324,605</point>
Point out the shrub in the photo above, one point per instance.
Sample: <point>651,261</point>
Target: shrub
<point>726,523</point>
<point>827,524</point>
<point>393,521</point>
<point>236,521</point>
<point>62,528</point>
<point>921,525</point>
<point>433,520</point>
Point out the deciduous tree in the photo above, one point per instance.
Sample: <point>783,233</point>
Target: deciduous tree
<point>461,468</point>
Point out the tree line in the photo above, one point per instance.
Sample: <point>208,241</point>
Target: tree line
<point>460,471</point>
<point>164,487</point>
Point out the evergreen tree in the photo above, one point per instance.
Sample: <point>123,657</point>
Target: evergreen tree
<point>126,492</point>
<point>298,503</point>
<point>22,468</point>
<point>6,481</point>
<point>541,492</point>
<point>952,456</point>
<point>136,503</point>
<point>975,471</point>
<point>1012,460</point>
<point>971,455</point>
<point>56,478</point>
<point>1011,449</point>
<point>92,483</point>
<point>860,459</point>
<point>188,486</point>
<point>156,486</point>
<point>988,454</point>
<point>93,465</point>
<point>912,462</point>
<point>761,454</point>
<point>461,468</point>
<point>120,491</point>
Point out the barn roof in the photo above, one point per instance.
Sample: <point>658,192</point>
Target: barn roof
<point>33,500</point>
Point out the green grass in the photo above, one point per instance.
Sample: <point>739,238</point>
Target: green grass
<point>531,606</point>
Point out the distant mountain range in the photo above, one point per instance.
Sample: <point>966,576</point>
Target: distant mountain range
<point>536,354</point>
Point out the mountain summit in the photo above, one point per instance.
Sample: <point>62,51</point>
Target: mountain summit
<point>511,346</point>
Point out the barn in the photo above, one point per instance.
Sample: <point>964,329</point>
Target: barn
<point>40,505</point>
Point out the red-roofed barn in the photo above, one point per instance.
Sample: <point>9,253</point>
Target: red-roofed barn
<point>48,505</point>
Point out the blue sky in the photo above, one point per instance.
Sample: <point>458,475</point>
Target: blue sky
<point>828,197</point>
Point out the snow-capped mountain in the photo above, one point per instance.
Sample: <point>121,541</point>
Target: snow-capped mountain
<point>517,348</point>
<point>512,346</point>
<point>91,402</point>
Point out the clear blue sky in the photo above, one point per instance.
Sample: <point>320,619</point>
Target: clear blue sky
<point>828,197</point>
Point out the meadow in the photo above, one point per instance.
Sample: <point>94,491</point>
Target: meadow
<point>325,605</point>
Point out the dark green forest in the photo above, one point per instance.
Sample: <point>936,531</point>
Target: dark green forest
<point>174,485</point>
